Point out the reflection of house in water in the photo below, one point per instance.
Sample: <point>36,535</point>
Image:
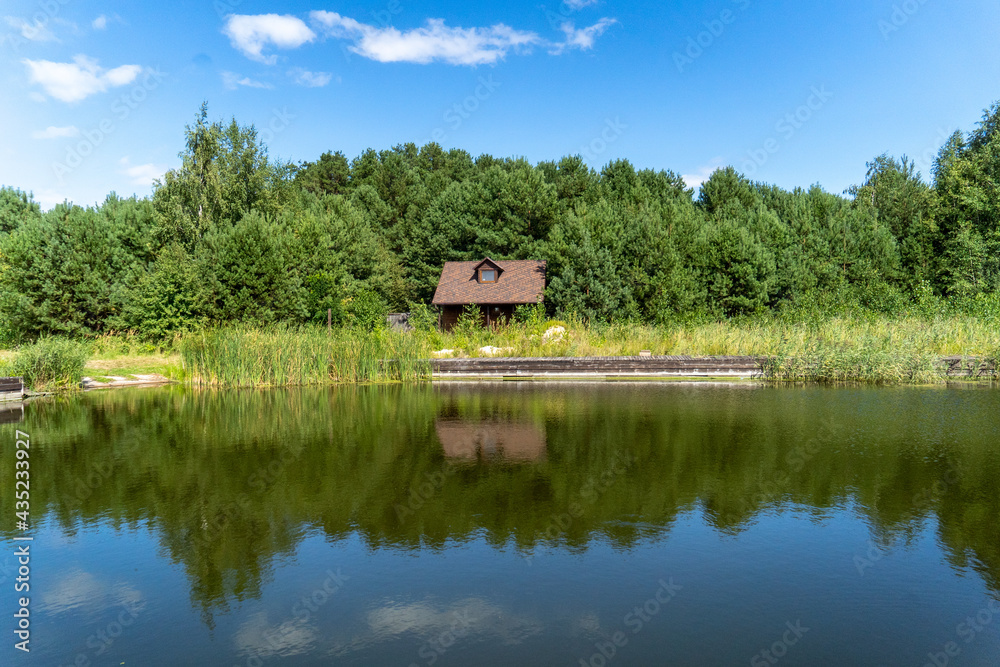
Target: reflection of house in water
<point>508,441</point>
<point>11,413</point>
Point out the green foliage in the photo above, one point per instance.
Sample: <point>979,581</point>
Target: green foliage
<point>64,270</point>
<point>530,315</point>
<point>16,209</point>
<point>175,295</point>
<point>257,282</point>
<point>325,303</point>
<point>367,310</point>
<point>49,363</point>
<point>423,318</point>
<point>233,236</point>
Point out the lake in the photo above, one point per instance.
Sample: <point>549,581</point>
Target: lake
<point>509,524</point>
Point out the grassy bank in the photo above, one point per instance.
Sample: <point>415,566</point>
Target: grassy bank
<point>940,337</point>
<point>848,348</point>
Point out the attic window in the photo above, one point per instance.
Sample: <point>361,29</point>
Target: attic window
<point>487,275</point>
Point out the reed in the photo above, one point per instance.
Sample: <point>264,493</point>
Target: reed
<point>860,347</point>
<point>49,363</point>
<point>863,348</point>
<point>244,356</point>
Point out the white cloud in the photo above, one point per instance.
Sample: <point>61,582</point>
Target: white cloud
<point>309,79</point>
<point>50,198</point>
<point>339,27</point>
<point>702,174</point>
<point>141,174</point>
<point>433,42</point>
<point>71,591</point>
<point>232,81</point>
<point>251,34</point>
<point>35,32</point>
<point>53,132</point>
<point>579,4</point>
<point>72,82</point>
<point>100,23</point>
<point>258,636</point>
<point>583,38</point>
<point>436,42</point>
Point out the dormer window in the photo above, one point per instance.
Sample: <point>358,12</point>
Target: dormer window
<point>487,275</point>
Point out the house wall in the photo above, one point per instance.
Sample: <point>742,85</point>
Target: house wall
<point>450,314</point>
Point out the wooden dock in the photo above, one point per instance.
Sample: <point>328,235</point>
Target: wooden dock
<point>970,368</point>
<point>11,389</point>
<point>597,368</point>
<point>648,368</point>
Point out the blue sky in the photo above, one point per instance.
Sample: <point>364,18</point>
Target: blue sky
<point>97,94</point>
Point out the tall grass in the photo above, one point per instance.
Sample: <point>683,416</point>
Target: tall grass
<point>244,356</point>
<point>863,348</point>
<point>49,363</point>
<point>852,347</point>
<point>946,336</point>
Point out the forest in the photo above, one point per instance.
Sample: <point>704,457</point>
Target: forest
<point>234,236</point>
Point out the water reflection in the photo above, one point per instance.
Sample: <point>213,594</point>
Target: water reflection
<point>231,482</point>
<point>490,441</point>
<point>11,413</point>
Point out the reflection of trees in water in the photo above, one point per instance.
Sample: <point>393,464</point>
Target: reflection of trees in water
<point>231,480</point>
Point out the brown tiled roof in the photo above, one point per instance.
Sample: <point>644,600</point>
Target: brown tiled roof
<point>520,281</point>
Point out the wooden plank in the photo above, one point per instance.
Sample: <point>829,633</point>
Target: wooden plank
<point>957,367</point>
<point>11,389</point>
<point>11,384</point>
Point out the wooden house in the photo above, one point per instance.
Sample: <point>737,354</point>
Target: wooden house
<point>495,287</point>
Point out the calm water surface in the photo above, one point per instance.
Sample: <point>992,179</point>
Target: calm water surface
<point>510,525</point>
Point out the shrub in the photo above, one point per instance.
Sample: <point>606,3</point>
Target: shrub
<point>367,310</point>
<point>49,363</point>
<point>423,318</point>
<point>532,315</point>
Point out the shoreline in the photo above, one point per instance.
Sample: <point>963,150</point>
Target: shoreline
<point>623,369</point>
